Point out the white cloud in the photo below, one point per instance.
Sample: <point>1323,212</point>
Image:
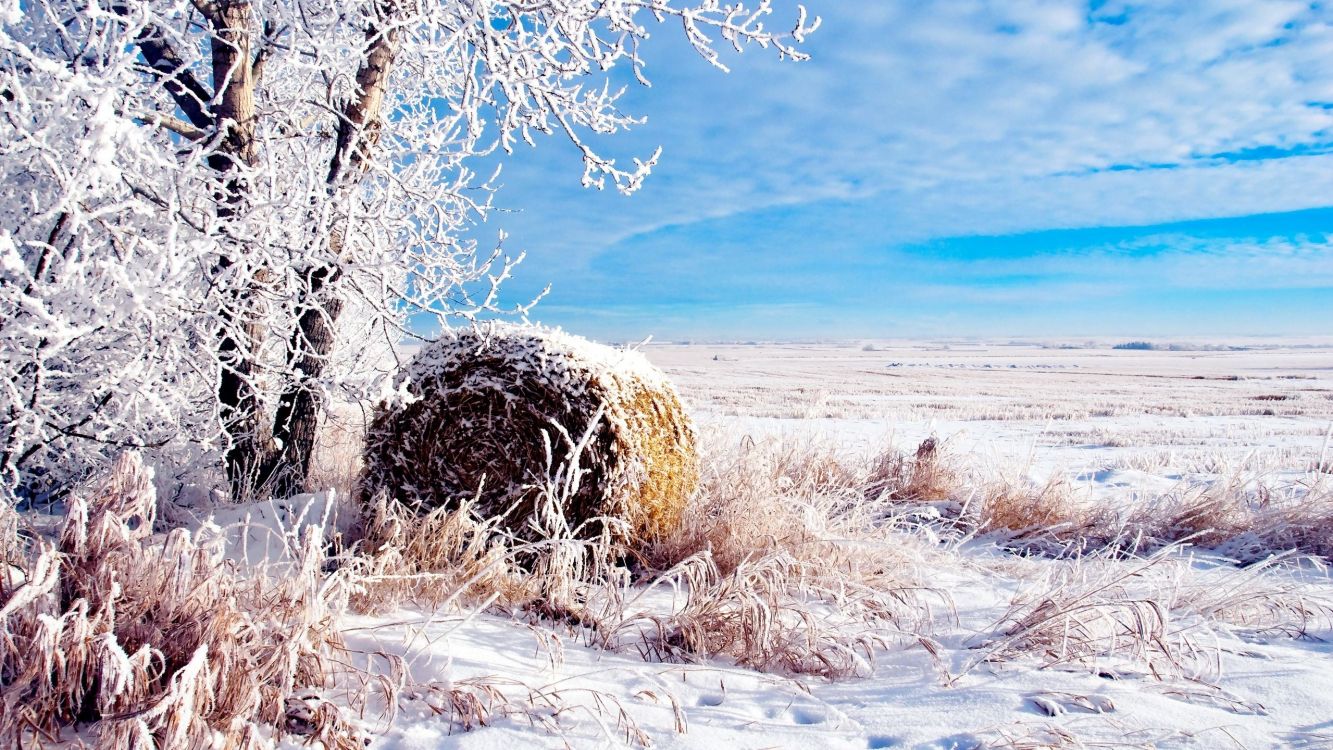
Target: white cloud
<point>910,95</point>
<point>936,118</point>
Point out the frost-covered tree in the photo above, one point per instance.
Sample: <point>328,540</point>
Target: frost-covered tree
<point>193,191</point>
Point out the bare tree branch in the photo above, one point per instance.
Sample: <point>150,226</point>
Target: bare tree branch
<point>167,122</point>
<point>169,68</point>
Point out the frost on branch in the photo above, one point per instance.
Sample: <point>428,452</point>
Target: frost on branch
<point>217,216</point>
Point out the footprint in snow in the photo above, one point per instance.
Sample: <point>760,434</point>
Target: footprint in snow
<point>710,700</point>
<point>806,716</point>
<point>880,742</point>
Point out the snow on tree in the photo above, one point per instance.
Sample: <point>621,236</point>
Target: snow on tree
<point>193,191</point>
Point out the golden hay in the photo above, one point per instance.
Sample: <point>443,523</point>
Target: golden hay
<point>516,416</point>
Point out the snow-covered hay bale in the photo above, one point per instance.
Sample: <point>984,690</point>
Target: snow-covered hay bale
<point>497,413</point>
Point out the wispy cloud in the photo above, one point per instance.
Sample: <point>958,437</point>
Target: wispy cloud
<point>920,120</point>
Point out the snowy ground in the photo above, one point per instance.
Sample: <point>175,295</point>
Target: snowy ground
<point>1274,693</point>
<point>1116,423</point>
<point>1111,420</point>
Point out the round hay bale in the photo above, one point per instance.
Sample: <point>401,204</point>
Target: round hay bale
<point>497,412</point>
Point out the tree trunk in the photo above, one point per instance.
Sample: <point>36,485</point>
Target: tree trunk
<point>248,452</point>
<point>297,419</point>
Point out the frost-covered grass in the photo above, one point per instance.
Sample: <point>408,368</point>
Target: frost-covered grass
<point>127,639</point>
<point>862,588</point>
<point>885,612</point>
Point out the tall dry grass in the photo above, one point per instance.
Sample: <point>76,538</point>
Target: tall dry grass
<point>796,557</point>
<point>779,564</point>
<point>793,557</point>
<point>800,558</point>
<point>143,641</point>
<point>772,613</point>
<point>158,642</point>
<point>1105,613</point>
<point>1163,619</point>
<point>1247,518</point>
<point>786,563</point>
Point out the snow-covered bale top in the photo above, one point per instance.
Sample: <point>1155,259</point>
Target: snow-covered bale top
<point>504,413</point>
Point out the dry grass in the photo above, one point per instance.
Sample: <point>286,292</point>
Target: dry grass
<point>496,409</point>
<point>1162,616</point>
<point>789,494</point>
<point>757,498</point>
<point>159,642</point>
<point>773,614</point>
<point>339,446</point>
<point>798,559</point>
<point>1107,615</point>
<point>925,477</point>
<point>444,556</point>
<point>793,557</point>
<point>452,557</point>
<point>1265,599</point>
<point>779,563</point>
<point>1243,517</point>
<point>1047,736</point>
<point>783,564</point>
<point>786,534</point>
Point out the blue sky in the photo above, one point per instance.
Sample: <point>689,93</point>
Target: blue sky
<point>1008,168</point>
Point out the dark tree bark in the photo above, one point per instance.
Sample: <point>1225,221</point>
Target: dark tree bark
<point>233,114</point>
<point>296,422</point>
<point>264,457</point>
<point>297,419</point>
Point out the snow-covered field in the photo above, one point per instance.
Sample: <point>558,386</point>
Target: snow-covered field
<point>1092,414</point>
<point>1178,648</point>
